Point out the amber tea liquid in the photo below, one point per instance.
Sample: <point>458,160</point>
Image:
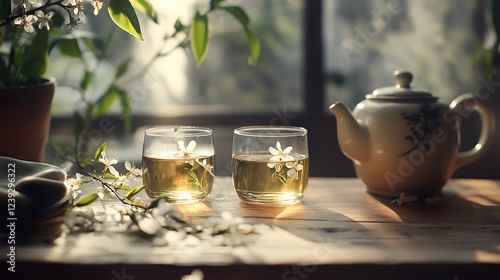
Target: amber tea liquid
<point>168,177</point>
<point>254,182</point>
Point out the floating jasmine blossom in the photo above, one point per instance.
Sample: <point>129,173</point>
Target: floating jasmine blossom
<point>186,152</point>
<point>280,155</point>
<point>276,165</point>
<point>209,168</point>
<point>294,168</point>
<point>282,158</point>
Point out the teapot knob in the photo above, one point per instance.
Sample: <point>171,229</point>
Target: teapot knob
<point>403,79</point>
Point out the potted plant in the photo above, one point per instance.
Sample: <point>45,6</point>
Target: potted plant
<point>31,29</point>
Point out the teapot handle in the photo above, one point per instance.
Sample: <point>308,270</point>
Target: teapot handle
<point>460,106</point>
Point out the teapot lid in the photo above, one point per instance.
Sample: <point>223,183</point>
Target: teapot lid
<point>402,90</point>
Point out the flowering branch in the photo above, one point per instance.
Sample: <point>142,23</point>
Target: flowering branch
<point>27,17</point>
<point>158,219</point>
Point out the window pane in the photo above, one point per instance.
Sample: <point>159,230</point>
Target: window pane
<point>366,41</point>
<point>224,83</point>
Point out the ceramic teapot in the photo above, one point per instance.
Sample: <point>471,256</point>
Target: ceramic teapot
<point>402,140</point>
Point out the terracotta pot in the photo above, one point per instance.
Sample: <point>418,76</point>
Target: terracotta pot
<point>25,115</point>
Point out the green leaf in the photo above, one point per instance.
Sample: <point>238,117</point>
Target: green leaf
<point>122,68</point>
<point>98,152</point>
<point>35,56</point>
<point>237,13</point>
<point>123,15</point>
<point>62,148</point>
<point>88,77</point>
<point>124,187</point>
<point>253,46</point>
<point>214,4</point>
<point>108,175</point>
<point>104,103</point>
<point>199,37</point>
<point>194,179</point>
<point>253,41</point>
<point>4,74</point>
<point>495,7</point>
<point>145,7</point>
<point>126,114</point>
<point>179,26</point>
<point>4,10</point>
<point>79,127</point>
<point>86,163</point>
<point>133,192</point>
<point>86,200</point>
<point>67,46</point>
<point>95,45</point>
<point>283,178</point>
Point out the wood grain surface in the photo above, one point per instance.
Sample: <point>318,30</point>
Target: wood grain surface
<point>339,229</point>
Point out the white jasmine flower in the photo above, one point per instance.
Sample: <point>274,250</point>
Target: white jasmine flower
<point>163,209</point>
<point>279,154</point>
<point>81,219</point>
<point>97,6</point>
<point>76,4</point>
<point>404,199</point>
<point>148,225</point>
<point>104,193</point>
<point>294,168</point>
<point>121,180</point>
<point>108,162</point>
<point>36,3</point>
<point>140,203</point>
<point>132,170</point>
<point>69,3</point>
<point>26,21</point>
<point>70,219</point>
<point>44,19</point>
<point>209,168</point>
<point>74,184</point>
<point>276,165</point>
<point>73,24</point>
<point>186,151</point>
<point>230,220</point>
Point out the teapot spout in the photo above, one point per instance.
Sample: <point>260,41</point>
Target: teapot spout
<point>353,138</point>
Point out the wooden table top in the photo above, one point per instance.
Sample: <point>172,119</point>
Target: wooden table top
<point>339,229</point>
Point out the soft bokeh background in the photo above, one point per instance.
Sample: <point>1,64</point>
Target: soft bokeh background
<point>362,43</point>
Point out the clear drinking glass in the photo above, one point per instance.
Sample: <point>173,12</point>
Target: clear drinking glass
<point>270,164</point>
<point>178,162</point>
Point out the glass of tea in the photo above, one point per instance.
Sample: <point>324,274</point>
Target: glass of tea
<point>270,164</point>
<point>178,163</point>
